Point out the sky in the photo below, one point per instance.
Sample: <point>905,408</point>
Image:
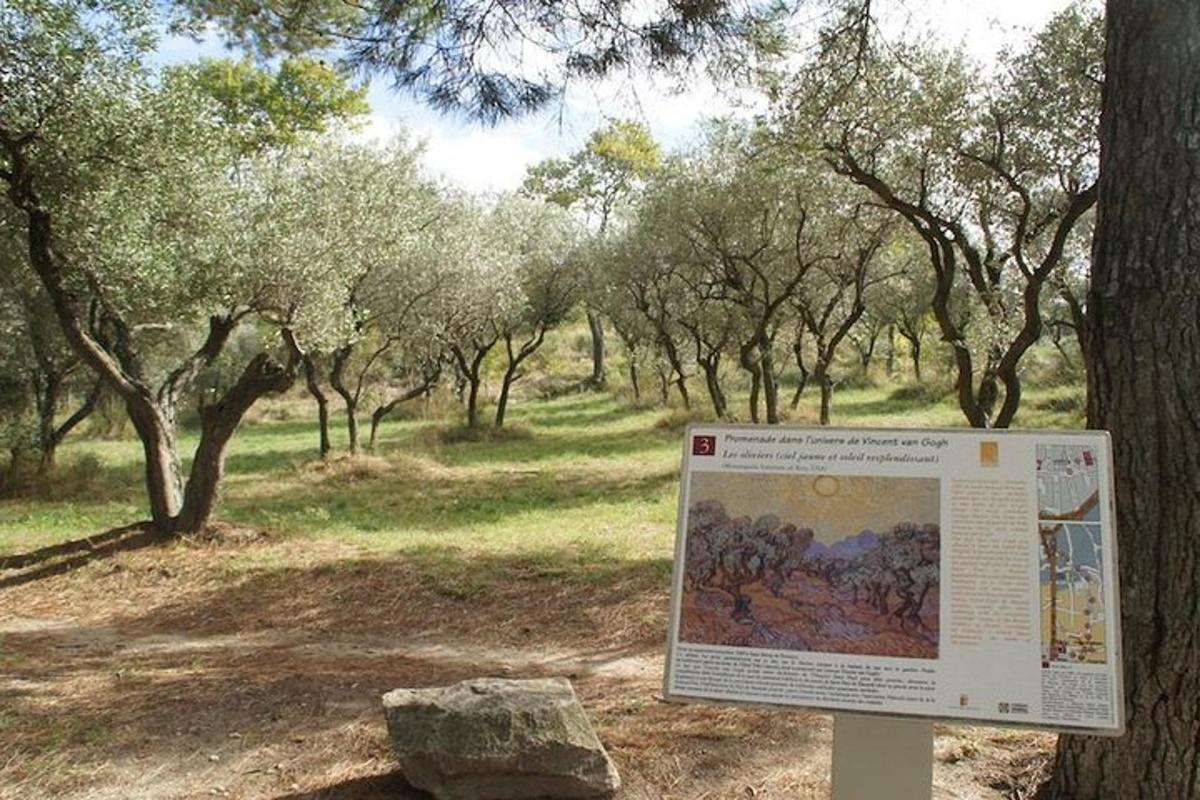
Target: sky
<point>485,159</point>
<point>833,506</point>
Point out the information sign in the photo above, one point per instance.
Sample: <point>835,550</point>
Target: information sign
<point>943,574</point>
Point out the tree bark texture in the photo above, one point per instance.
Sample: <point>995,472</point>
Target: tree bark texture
<point>263,375</point>
<point>511,372</point>
<point>1144,386</point>
<point>596,326</point>
<point>314,388</point>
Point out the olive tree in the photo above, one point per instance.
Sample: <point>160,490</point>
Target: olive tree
<point>992,175</point>
<point>606,172</point>
<point>380,212</point>
<point>150,242</point>
<point>541,237</point>
<point>42,374</point>
<point>484,290</point>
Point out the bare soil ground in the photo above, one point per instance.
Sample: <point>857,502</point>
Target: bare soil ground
<point>252,668</point>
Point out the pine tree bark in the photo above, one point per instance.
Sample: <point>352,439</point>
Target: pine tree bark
<point>1144,386</point>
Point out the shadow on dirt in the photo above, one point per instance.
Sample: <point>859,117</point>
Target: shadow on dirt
<point>390,786</point>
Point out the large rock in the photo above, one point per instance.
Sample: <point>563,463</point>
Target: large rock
<point>495,739</point>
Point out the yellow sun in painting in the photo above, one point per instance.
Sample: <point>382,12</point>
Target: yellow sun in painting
<point>825,486</point>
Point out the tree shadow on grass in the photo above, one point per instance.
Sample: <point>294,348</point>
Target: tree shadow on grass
<point>571,596</point>
<point>887,406</point>
<point>46,562</point>
<point>581,443</point>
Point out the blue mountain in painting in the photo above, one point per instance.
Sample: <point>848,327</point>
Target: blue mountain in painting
<point>849,548</point>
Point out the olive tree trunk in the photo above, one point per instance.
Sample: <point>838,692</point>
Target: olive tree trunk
<point>314,388</point>
<point>106,348</point>
<point>596,327</point>
<point>263,375</point>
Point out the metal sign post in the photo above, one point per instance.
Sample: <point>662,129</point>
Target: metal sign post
<point>876,757</point>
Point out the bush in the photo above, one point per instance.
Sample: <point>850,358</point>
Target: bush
<point>919,393</point>
<point>484,433</point>
<point>1070,403</point>
<point>676,419</point>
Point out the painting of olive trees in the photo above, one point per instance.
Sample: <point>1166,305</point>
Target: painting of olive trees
<point>833,564</point>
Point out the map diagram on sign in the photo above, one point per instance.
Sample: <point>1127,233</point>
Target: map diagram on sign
<point>1068,480</point>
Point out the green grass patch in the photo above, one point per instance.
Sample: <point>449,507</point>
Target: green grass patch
<point>570,486</point>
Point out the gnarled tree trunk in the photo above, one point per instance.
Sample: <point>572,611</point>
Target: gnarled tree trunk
<point>263,375</point>
<point>515,358</point>
<point>429,380</point>
<point>337,379</point>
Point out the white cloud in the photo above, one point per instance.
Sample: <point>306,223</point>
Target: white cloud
<point>480,161</point>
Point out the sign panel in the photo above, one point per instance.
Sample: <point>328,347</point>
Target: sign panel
<point>948,574</point>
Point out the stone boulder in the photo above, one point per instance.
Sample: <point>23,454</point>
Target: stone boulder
<point>496,739</point>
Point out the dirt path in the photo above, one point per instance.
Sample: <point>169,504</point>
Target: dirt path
<point>175,673</point>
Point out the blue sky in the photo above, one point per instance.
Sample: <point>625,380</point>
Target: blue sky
<point>479,158</point>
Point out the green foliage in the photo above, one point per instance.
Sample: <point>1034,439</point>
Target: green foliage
<point>462,56</point>
<point>265,109</point>
<point>616,160</point>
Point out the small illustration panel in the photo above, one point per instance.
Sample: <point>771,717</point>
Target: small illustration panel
<point>1072,598</point>
<point>1068,479</point>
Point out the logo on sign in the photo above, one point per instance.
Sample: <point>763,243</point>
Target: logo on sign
<point>704,445</point>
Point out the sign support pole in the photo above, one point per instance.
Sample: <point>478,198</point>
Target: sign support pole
<point>877,757</point>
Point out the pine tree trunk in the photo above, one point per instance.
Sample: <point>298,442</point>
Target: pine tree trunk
<point>1144,386</point>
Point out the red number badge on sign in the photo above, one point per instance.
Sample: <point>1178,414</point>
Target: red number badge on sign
<point>704,445</point>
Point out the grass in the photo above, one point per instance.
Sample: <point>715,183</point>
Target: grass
<point>580,473</point>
